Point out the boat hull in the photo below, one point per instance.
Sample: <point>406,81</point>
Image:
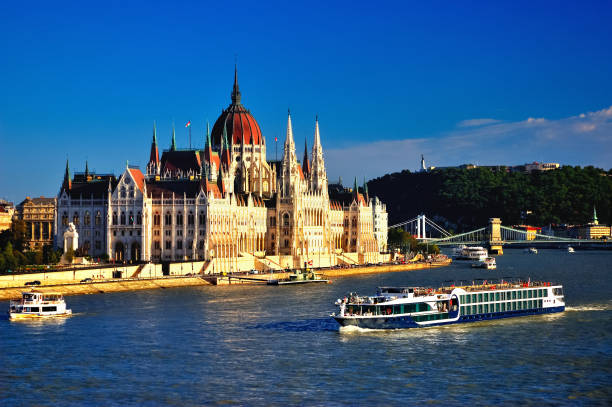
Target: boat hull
<point>19,316</point>
<point>405,321</point>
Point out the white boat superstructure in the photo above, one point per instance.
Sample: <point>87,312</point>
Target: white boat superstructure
<point>414,307</point>
<point>531,250</point>
<point>473,253</point>
<point>34,304</point>
<point>489,263</point>
<point>570,249</point>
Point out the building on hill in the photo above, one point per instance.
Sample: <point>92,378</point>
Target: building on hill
<point>226,203</point>
<point>537,166</point>
<point>38,214</point>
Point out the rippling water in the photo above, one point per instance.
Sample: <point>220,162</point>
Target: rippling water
<point>276,346</point>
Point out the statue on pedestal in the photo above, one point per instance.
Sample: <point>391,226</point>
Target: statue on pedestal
<point>71,238</point>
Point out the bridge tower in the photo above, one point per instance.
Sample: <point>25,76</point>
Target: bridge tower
<point>495,239</point>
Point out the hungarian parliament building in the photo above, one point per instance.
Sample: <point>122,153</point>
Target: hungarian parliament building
<point>224,202</point>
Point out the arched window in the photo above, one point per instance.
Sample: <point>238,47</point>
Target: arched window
<point>354,222</point>
<point>114,218</point>
<point>190,218</point>
<point>286,219</point>
<point>75,218</point>
<point>179,218</point>
<point>98,218</point>
<point>139,218</point>
<point>131,218</point>
<point>156,219</point>
<point>132,192</point>
<point>123,218</point>
<point>168,219</point>
<point>87,219</point>
<point>65,219</point>
<point>202,219</point>
<point>123,193</point>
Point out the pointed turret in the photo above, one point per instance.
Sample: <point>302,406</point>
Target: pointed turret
<point>366,195</point>
<point>318,177</point>
<point>236,91</point>
<point>173,145</point>
<point>153,165</point>
<point>355,188</point>
<point>225,147</point>
<point>289,165</point>
<point>67,184</point>
<point>86,170</point>
<point>305,162</point>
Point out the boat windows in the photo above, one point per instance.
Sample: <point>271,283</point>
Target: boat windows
<point>479,297</point>
<point>32,309</point>
<point>486,308</point>
<point>514,295</point>
<point>519,295</point>
<point>497,306</point>
<point>473,298</point>
<point>486,297</point>
<point>558,291</point>
<point>49,309</point>
<point>497,296</point>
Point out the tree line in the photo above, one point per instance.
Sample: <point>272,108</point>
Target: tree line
<point>464,199</point>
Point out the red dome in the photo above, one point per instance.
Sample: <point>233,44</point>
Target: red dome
<point>240,125</point>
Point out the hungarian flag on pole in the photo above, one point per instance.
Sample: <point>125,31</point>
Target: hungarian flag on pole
<point>188,123</point>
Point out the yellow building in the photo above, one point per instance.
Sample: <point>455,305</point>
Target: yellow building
<point>6,215</point>
<point>39,217</point>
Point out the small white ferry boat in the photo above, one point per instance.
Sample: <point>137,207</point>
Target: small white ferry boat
<point>489,263</point>
<point>570,249</point>
<point>472,253</point>
<point>416,307</point>
<point>34,304</point>
<point>531,250</point>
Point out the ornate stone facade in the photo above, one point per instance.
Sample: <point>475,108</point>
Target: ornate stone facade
<point>38,215</point>
<point>227,203</point>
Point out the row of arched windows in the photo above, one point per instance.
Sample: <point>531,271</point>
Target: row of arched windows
<point>130,220</point>
<point>86,218</point>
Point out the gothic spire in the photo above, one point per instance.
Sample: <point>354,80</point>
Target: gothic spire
<point>173,145</point>
<point>236,91</point>
<point>355,188</point>
<point>306,163</point>
<point>289,139</point>
<point>365,189</point>
<point>86,169</point>
<point>67,185</point>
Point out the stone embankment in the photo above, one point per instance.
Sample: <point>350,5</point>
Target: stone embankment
<point>12,288</point>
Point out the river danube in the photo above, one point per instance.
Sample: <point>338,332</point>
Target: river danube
<point>259,345</point>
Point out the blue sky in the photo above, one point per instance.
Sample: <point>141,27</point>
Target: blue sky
<point>457,81</point>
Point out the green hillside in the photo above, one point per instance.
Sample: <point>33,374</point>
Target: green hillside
<point>467,198</point>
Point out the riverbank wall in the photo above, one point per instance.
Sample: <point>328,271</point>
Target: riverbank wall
<point>67,286</point>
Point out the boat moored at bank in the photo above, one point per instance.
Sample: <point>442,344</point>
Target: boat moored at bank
<point>34,304</point>
<point>416,307</point>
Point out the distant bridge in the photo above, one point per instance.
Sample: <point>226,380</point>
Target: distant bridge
<point>493,235</point>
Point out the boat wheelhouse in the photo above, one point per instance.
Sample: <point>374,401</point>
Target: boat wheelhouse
<point>415,307</point>
<point>34,304</point>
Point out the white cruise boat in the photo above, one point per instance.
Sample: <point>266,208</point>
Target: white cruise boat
<point>472,253</point>
<point>531,250</point>
<point>34,304</point>
<point>570,249</point>
<point>417,307</point>
<point>489,263</point>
